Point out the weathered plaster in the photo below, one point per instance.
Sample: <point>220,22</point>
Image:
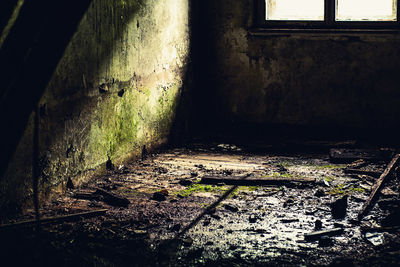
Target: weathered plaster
<point>115,90</point>
<point>344,80</point>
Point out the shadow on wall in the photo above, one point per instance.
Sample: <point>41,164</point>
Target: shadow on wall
<point>116,88</point>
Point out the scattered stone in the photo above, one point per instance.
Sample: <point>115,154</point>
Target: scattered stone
<point>310,212</point>
<point>160,195</point>
<point>123,169</point>
<point>185,182</point>
<point>121,92</point>
<point>325,241</point>
<point>339,207</point>
<point>231,207</point>
<point>103,88</point>
<point>109,164</point>
<point>206,222</point>
<point>318,225</point>
<point>215,216</point>
<point>288,202</point>
<point>319,193</point>
<point>375,239</point>
<point>70,184</point>
<point>227,172</point>
<point>252,218</point>
<point>200,166</point>
<point>161,170</point>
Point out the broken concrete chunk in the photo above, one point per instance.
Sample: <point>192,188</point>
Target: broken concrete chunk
<point>252,218</point>
<point>319,193</point>
<point>318,225</point>
<point>375,239</point>
<point>160,195</point>
<point>231,207</point>
<point>339,208</point>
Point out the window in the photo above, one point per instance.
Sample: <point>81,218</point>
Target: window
<point>328,14</point>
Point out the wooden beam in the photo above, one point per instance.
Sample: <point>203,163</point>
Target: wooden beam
<point>251,181</point>
<point>63,218</point>
<point>113,199</point>
<point>378,186</point>
<point>318,234</point>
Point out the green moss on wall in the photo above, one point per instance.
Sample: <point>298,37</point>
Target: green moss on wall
<point>138,47</point>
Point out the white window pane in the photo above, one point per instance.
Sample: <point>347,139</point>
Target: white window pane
<point>366,10</point>
<point>294,9</point>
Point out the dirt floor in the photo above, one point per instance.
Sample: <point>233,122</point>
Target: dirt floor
<point>172,219</point>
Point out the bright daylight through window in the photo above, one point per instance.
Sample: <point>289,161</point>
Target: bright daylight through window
<point>345,10</point>
<point>295,10</point>
<point>370,10</point>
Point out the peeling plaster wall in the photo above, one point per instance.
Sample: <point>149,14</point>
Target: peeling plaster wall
<point>335,80</point>
<point>116,88</point>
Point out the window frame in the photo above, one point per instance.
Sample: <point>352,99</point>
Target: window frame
<point>329,22</point>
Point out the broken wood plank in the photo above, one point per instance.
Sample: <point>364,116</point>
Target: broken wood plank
<point>343,155</point>
<point>378,185</point>
<point>318,234</point>
<point>251,181</point>
<point>112,199</point>
<point>56,219</point>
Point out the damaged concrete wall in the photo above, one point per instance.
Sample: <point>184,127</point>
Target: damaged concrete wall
<point>115,90</point>
<point>335,80</point>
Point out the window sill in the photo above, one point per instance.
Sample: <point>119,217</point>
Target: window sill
<point>289,31</point>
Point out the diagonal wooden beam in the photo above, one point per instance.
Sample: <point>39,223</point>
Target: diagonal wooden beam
<point>378,186</point>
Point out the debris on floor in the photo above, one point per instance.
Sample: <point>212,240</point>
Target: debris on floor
<point>222,205</point>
